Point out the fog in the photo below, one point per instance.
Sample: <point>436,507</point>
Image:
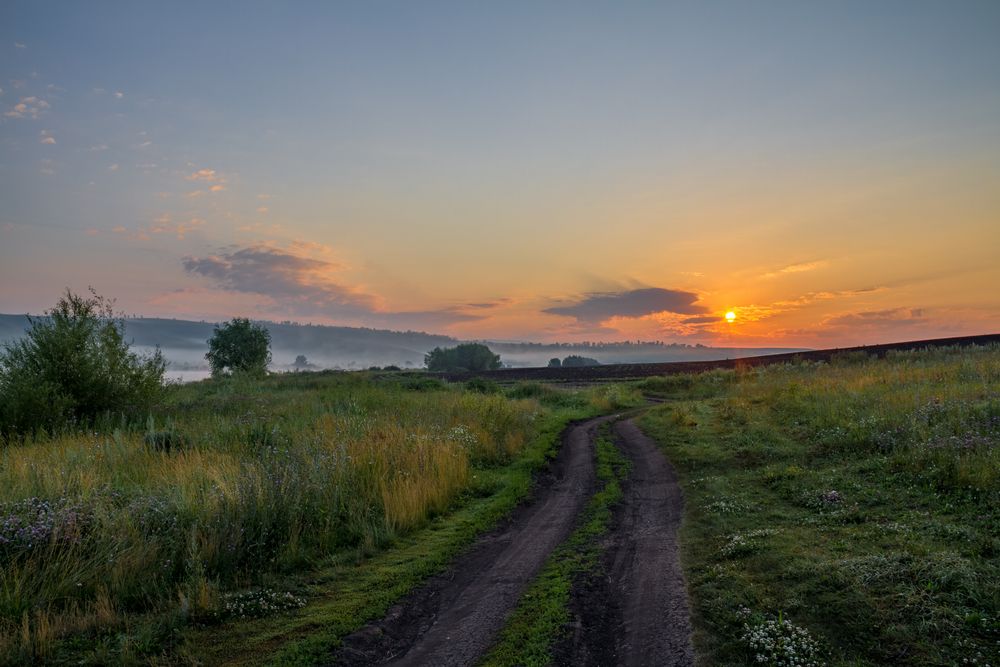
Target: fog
<point>184,344</point>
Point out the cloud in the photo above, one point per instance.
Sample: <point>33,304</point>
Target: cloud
<point>797,268</point>
<point>166,225</point>
<point>46,137</point>
<point>20,45</point>
<point>113,167</point>
<point>869,319</point>
<point>208,175</point>
<point>303,279</point>
<point>600,306</point>
<point>28,107</point>
<point>119,94</point>
<point>701,319</point>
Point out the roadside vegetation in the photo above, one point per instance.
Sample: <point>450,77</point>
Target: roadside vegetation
<point>844,513</point>
<point>281,506</point>
<point>74,368</point>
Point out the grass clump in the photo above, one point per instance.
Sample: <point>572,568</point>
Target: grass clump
<point>859,498</point>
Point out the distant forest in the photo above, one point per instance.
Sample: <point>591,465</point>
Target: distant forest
<point>184,344</point>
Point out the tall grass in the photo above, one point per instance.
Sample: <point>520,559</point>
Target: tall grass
<point>229,481</point>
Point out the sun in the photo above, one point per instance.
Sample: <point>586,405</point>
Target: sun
<point>730,316</point>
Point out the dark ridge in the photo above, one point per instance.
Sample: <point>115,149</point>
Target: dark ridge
<point>629,371</point>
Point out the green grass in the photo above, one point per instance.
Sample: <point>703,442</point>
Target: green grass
<point>116,540</point>
<point>349,592</point>
<point>857,500</point>
<point>540,618</point>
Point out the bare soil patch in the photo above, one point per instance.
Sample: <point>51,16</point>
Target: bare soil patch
<point>455,616</point>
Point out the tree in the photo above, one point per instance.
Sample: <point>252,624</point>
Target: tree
<point>239,346</point>
<point>464,357</point>
<point>72,366</point>
<point>554,362</point>
<point>301,362</point>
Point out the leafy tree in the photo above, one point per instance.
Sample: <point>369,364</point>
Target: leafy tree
<point>464,357</point>
<point>239,346</point>
<point>554,362</point>
<point>72,366</point>
<point>301,362</point>
<point>576,360</point>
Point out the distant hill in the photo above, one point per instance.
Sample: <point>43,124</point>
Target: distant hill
<point>184,344</point>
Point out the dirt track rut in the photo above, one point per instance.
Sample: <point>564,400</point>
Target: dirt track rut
<point>645,572</point>
<point>453,619</point>
<point>635,613</point>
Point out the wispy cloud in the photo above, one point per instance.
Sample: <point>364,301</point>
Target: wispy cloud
<point>165,224</point>
<point>305,280</point>
<point>208,175</point>
<point>801,267</point>
<point>288,274</point>
<point>869,319</point>
<point>597,307</point>
<point>46,137</point>
<point>20,45</point>
<point>28,107</point>
<point>215,181</point>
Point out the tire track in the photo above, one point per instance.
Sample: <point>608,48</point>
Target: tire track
<point>455,617</point>
<point>634,610</point>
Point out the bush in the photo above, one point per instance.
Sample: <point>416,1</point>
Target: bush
<point>72,366</point>
<point>464,357</point>
<point>575,360</point>
<point>239,346</point>
<point>482,386</point>
<point>555,363</point>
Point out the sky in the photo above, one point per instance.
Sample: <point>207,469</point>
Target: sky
<point>549,171</point>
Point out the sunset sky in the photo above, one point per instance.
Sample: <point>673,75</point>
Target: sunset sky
<point>830,172</point>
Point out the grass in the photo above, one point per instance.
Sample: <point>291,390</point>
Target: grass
<point>341,489</point>
<point>540,618</point>
<point>848,511</point>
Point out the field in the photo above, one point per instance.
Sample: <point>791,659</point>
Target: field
<point>842,511</point>
<point>111,540</point>
<point>857,500</point>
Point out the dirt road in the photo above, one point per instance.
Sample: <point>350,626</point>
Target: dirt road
<point>641,614</point>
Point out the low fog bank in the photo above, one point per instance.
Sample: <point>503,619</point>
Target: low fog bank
<point>184,344</point>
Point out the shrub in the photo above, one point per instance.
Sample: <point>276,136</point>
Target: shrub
<point>482,386</point>
<point>575,360</point>
<point>555,363</point>
<point>72,366</point>
<point>464,357</point>
<point>239,346</point>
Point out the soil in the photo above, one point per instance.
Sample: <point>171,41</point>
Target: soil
<point>634,610</point>
<point>455,617</point>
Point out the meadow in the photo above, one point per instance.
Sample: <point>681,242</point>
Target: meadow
<point>116,538</point>
<point>844,513</point>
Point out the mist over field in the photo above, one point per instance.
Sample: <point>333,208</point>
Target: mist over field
<point>184,343</point>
